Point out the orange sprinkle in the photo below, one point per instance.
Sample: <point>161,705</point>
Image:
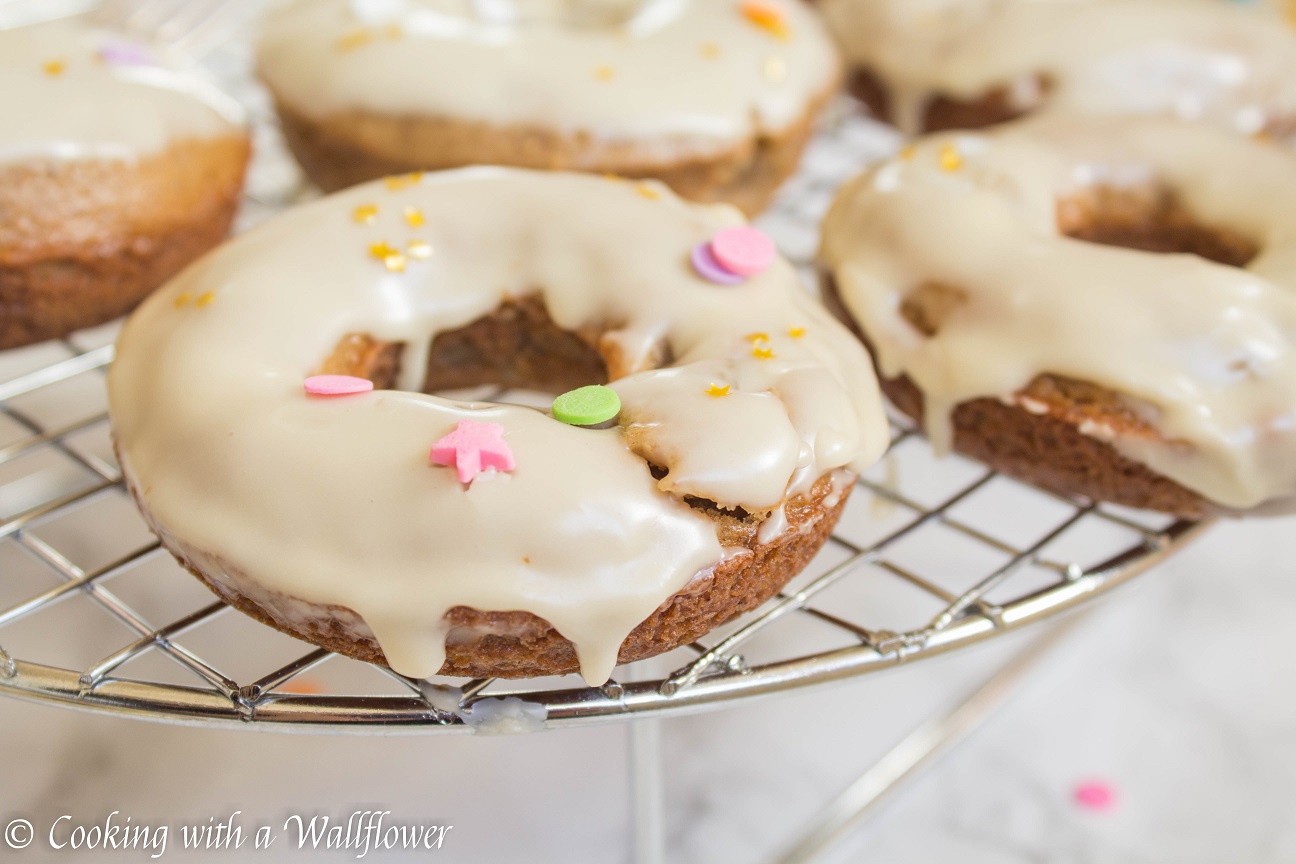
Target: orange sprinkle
<point>605,73</point>
<point>1291,12</point>
<point>757,337</point>
<point>767,17</point>
<point>647,191</point>
<point>54,67</point>
<point>950,158</point>
<point>183,300</point>
<point>355,39</point>
<point>414,217</point>
<point>710,50</point>
<point>763,353</point>
<point>365,214</point>
<point>717,391</point>
<point>303,686</point>
<point>205,299</point>
<point>796,332</point>
<point>419,249</point>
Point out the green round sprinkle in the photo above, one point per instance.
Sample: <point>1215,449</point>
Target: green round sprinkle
<point>587,406</point>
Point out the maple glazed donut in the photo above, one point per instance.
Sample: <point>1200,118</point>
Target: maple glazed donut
<point>745,413</point>
<point>931,65</point>
<point>715,98</point>
<point>1028,297</point>
<point>114,174</point>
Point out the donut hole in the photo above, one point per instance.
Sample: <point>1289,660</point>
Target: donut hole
<point>1150,219</point>
<point>928,306</point>
<point>516,346</point>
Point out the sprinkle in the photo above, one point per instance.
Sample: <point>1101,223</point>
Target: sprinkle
<point>302,685</point>
<point>605,73</point>
<point>587,406</point>
<point>337,385</point>
<point>757,337</point>
<point>717,391</point>
<point>710,50</point>
<point>419,249</point>
<point>796,332</point>
<point>414,217</point>
<point>705,265</point>
<point>365,214</point>
<point>745,251</point>
<point>205,299</point>
<point>400,181</point>
<point>950,158</point>
<point>775,69</point>
<point>647,191</point>
<point>355,39</point>
<point>472,448</point>
<point>907,152</point>
<point>613,178</point>
<point>763,353</point>
<point>54,67</point>
<point>767,17</point>
<point>391,257</point>
<point>394,31</point>
<point>1095,795</point>
<point>182,300</point>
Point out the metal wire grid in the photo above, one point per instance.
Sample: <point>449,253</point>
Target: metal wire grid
<point>984,553</point>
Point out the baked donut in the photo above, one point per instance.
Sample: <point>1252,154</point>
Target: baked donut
<point>746,412</point>
<point>930,65</point>
<point>114,174</point>
<point>1104,306</point>
<point>715,98</point>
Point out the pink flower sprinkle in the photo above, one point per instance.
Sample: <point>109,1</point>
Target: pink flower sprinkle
<point>472,448</point>
<point>337,385</point>
<point>1095,795</point>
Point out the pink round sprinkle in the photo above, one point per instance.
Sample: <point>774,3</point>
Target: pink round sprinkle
<point>746,251</point>
<point>1095,795</point>
<point>126,54</point>
<point>709,269</point>
<point>337,385</point>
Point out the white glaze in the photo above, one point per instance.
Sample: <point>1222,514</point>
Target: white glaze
<point>91,109</point>
<point>664,83</point>
<point>1194,58</point>
<point>1207,351</point>
<point>333,501</point>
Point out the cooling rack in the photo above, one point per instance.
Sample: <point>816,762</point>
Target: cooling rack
<point>931,555</point>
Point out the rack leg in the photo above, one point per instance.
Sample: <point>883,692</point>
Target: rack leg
<point>920,747</point>
<point>647,792</point>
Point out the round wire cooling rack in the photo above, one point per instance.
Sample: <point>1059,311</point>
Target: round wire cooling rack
<point>930,555</point>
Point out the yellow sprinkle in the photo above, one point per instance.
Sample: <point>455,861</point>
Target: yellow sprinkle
<point>647,191</point>
<point>775,69</point>
<point>419,249</point>
<point>183,300</point>
<point>605,73</point>
<point>615,178</point>
<point>396,182</point>
<point>205,299</point>
<point>717,391</point>
<point>907,152</point>
<point>365,214</point>
<point>757,337</point>
<point>763,353</point>
<point>355,39</point>
<point>710,50</point>
<point>768,18</point>
<point>391,257</point>
<point>54,67</point>
<point>394,31</point>
<point>1263,137</point>
<point>414,217</point>
<point>950,158</point>
<point>796,332</point>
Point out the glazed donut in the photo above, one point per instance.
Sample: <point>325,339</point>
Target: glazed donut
<point>981,271</point>
<point>746,412</point>
<point>930,65</point>
<point>714,98</point>
<point>114,174</point>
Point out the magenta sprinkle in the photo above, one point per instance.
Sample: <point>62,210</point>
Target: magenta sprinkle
<point>126,54</point>
<point>708,268</point>
<point>1095,795</point>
